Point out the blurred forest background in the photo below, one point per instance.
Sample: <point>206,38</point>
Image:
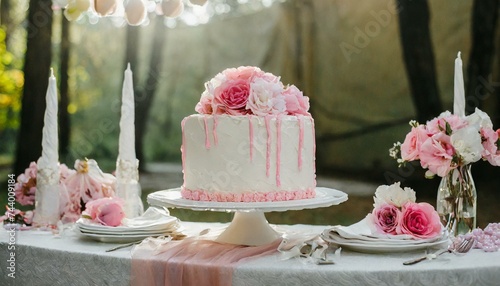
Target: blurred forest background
<point>369,67</point>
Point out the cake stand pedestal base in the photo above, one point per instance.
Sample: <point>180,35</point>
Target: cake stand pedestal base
<point>248,228</point>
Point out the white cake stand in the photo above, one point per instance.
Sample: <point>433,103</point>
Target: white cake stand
<point>249,225</point>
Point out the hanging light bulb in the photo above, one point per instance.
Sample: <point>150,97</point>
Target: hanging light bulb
<point>172,8</point>
<point>105,7</point>
<point>135,12</point>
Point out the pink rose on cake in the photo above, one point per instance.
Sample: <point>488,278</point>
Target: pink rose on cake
<point>205,104</point>
<point>296,102</point>
<point>266,98</point>
<point>395,212</point>
<point>249,90</point>
<point>231,97</point>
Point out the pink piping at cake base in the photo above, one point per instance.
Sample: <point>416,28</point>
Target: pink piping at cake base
<point>199,195</point>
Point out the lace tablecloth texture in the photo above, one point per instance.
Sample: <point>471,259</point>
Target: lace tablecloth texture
<point>42,259</point>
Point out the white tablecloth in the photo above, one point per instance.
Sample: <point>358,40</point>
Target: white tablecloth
<point>42,259</point>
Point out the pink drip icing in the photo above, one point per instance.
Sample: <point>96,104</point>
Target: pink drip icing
<point>301,140</point>
<point>214,130</point>
<point>207,140</point>
<point>250,128</point>
<point>268,151</point>
<point>278,151</point>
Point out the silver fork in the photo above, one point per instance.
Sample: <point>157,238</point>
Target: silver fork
<point>463,247</point>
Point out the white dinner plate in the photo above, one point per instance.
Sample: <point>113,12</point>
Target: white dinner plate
<point>116,238</point>
<point>152,219</point>
<point>124,230</point>
<point>131,233</point>
<point>384,246</point>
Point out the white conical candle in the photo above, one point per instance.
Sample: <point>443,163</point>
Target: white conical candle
<point>126,147</point>
<point>50,140</point>
<point>459,92</point>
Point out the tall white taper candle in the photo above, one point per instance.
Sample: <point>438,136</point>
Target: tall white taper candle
<point>47,179</point>
<point>459,92</point>
<point>50,139</point>
<point>126,147</point>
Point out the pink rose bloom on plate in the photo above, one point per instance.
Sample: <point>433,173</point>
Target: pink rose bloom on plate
<point>386,218</point>
<point>106,211</point>
<point>419,220</point>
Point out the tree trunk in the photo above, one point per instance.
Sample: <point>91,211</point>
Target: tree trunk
<point>418,57</point>
<point>5,19</point>
<point>484,21</point>
<point>64,119</point>
<point>36,74</point>
<point>144,99</point>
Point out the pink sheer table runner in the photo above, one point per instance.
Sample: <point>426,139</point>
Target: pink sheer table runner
<point>192,261</point>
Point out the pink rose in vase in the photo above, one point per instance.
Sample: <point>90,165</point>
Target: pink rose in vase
<point>436,154</point>
<point>410,149</point>
<point>386,218</point>
<point>490,140</point>
<point>439,124</point>
<point>419,220</point>
<point>106,211</point>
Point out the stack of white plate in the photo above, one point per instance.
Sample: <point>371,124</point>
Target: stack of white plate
<point>154,222</point>
<point>359,237</point>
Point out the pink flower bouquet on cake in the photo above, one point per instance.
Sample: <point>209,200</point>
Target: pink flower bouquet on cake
<point>396,213</point>
<point>249,90</point>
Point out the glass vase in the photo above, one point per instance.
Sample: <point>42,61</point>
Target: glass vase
<point>457,200</point>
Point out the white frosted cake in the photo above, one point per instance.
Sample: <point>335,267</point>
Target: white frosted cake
<point>252,141</point>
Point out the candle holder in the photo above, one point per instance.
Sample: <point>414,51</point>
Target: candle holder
<point>128,188</point>
<point>47,210</point>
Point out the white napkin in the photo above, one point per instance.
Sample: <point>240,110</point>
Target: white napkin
<point>362,232</point>
<point>152,220</point>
